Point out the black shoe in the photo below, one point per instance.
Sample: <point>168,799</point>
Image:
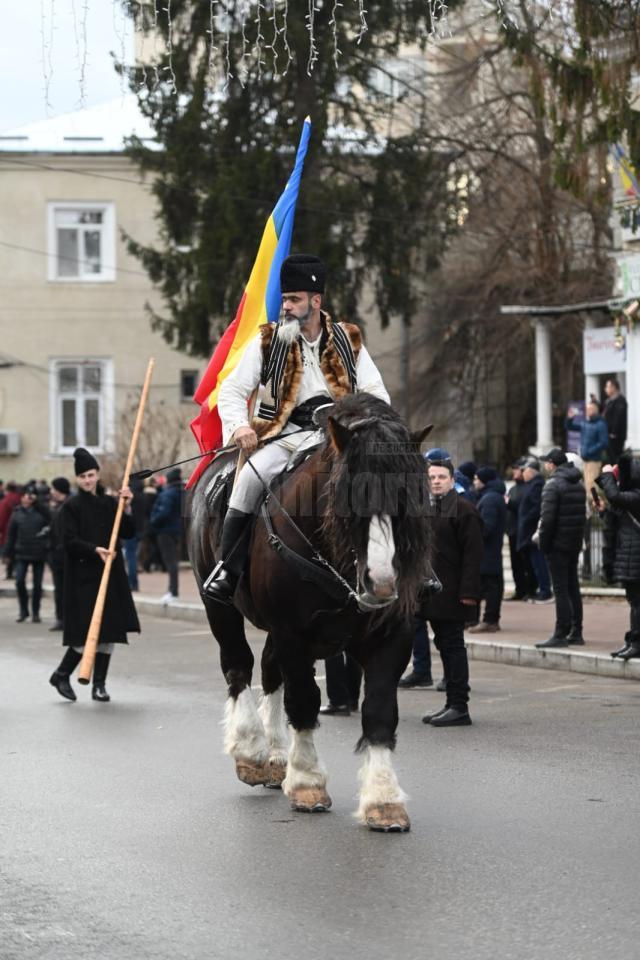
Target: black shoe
<point>36,618</point>
<point>100,693</point>
<point>62,685</point>
<point>335,710</point>
<point>633,650</point>
<point>428,717</point>
<point>451,717</point>
<point>618,653</point>
<point>553,641</point>
<point>222,588</point>
<point>575,638</point>
<point>441,686</point>
<point>22,618</point>
<point>414,679</point>
<point>353,706</point>
<point>57,626</point>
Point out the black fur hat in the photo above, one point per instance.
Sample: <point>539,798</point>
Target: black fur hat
<point>83,461</point>
<point>302,272</point>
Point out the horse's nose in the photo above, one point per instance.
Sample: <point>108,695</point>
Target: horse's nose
<point>382,586</point>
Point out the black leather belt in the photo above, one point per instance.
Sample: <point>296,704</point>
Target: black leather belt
<point>302,415</point>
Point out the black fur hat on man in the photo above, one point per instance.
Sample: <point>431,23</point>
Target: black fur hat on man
<point>83,461</point>
<point>302,272</point>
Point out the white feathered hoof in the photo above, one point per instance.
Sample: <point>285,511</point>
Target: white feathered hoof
<point>309,799</point>
<point>387,818</point>
<point>254,774</point>
<point>276,773</point>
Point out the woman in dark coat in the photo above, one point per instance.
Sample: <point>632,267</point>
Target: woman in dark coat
<point>87,520</point>
<point>622,541</point>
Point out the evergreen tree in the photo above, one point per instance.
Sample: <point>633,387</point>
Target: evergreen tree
<point>374,201</point>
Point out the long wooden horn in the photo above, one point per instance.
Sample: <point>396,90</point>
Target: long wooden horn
<point>93,634</point>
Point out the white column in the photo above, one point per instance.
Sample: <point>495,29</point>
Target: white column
<point>544,422</point>
<point>591,381</point>
<point>633,388</point>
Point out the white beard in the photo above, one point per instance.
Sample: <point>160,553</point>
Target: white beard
<point>288,331</point>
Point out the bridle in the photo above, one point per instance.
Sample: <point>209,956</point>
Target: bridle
<point>317,569</point>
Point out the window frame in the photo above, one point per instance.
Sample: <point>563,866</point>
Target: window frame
<point>108,240</point>
<point>184,398</point>
<point>106,406</point>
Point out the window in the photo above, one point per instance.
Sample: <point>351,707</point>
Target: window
<point>81,400</point>
<point>81,242</point>
<point>188,384</point>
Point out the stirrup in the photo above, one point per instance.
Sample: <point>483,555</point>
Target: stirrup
<point>217,586</point>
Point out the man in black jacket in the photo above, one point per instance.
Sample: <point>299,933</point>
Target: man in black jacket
<point>28,549</point>
<point>562,520</point>
<point>60,492</point>
<point>621,486</point>
<point>457,554</point>
<point>490,503</point>
<point>524,582</point>
<point>615,416</point>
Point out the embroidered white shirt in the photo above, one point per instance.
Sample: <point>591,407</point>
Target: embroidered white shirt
<point>243,380</point>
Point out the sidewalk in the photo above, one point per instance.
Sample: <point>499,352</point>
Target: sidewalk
<point>522,626</point>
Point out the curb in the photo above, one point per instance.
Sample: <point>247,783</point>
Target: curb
<point>572,661</point>
<point>596,664</point>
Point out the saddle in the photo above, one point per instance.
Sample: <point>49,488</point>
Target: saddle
<point>218,491</point>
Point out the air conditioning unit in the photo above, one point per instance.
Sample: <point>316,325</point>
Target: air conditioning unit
<point>10,443</point>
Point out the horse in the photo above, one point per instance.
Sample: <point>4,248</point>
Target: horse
<point>338,554</point>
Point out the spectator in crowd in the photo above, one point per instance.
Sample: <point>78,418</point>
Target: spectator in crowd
<point>621,486</point>
<point>60,492</point>
<point>166,523</point>
<point>594,440</point>
<point>528,519</point>
<point>130,546</point>
<point>468,470</point>
<point>490,503</point>
<point>523,588</point>
<point>10,501</point>
<point>420,674</point>
<point>457,555</point>
<point>561,536</point>
<point>148,553</point>
<point>615,416</point>
<point>1,489</point>
<point>343,678</point>
<point>28,548</point>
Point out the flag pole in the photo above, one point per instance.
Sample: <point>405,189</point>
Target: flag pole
<point>93,634</point>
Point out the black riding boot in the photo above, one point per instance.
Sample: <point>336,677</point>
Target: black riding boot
<point>100,670</point>
<point>234,548</point>
<point>60,677</point>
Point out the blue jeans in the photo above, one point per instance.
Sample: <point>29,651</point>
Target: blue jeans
<point>131,557</point>
<point>421,649</point>
<point>541,570</point>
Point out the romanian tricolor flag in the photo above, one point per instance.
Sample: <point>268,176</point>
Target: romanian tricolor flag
<point>260,304</point>
<point>628,176</point>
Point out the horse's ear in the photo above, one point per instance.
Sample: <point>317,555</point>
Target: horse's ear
<point>340,435</point>
<point>419,436</point>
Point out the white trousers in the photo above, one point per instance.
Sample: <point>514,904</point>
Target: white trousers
<point>268,461</point>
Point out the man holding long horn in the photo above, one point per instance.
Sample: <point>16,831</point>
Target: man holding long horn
<point>87,521</point>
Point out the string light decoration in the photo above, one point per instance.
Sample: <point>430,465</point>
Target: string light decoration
<point>264,39</point>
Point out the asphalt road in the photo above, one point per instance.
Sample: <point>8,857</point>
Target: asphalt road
<point>125,835</point>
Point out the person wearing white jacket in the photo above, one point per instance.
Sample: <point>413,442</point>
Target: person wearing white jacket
<point>304,362</point>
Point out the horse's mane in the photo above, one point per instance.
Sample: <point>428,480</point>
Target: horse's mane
<point>380,470</point>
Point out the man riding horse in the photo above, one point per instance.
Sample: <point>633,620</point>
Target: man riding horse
<point>304,362</point>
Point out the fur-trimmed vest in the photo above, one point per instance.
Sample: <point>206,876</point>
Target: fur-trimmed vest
<point>282,371</point>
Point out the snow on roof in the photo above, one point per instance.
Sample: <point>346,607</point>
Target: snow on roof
<point>99,129</point>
